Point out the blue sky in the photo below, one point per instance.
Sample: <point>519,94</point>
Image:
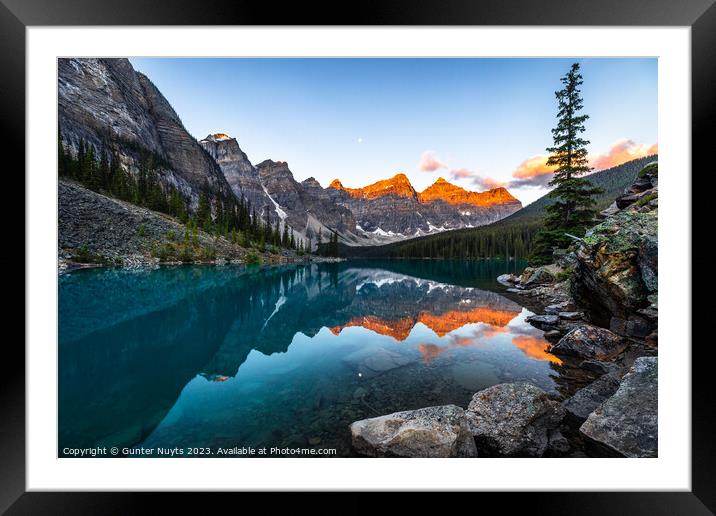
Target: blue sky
<point>475,122</point>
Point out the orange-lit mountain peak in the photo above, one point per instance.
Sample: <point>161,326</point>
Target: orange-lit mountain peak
<point>442,190</point>
<point>220,136</point>
<point>444,323</point>
<point>398,329</point>
<point>336,183</point>
<point>398,185</point>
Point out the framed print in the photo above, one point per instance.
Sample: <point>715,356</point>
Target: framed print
<point>279,252</point>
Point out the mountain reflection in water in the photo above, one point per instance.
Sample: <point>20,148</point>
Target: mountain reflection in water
<point>282,356</point>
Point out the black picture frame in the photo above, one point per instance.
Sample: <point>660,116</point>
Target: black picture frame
<point>16,15</point>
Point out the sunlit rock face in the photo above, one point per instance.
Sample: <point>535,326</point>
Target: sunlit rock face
<point>392,209</point>
<point>109,105</point>
<point>442,190</point>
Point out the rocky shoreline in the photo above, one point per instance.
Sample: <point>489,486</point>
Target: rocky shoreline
<point>599,311</point>
<point>99,231</point>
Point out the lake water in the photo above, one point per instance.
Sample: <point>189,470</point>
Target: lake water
<point>281,357</point>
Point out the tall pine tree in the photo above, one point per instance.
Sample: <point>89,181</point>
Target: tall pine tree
<point>573,210</point>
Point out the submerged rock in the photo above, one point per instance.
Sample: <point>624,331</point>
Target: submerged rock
<point>627,423</point>
<point>590,342</point>
<point>440,431</point>
<point>589,398</point>
<point>513,419</point>
<point>370,362</point>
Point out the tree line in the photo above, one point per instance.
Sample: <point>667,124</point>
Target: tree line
<point>215,213</point>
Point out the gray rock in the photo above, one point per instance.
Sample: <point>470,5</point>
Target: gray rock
<point>598,367</point>
<point>627,423</point>
<point>556,308</point>
<point>589,398</point>
<point>558,443</point>
<point>543,321</point>
<point>564,259</point>
<point>570,316</point>
<point>440,431</point>
<point>553,335</point>
<point>611,210</point>
<point>539,276</point>
<point>587,341</point>
<point>507,279</point>
<point>626,200</point>
<point>513,419</point>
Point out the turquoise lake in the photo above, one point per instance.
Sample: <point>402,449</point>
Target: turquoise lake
<point>286,356</point>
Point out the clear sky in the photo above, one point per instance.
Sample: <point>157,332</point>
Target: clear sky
<point>476,122</point>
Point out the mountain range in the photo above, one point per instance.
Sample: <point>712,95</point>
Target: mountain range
<point>109,106</point>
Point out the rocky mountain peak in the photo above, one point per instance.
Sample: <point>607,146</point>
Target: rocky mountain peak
<point>272,167</point>
<point>311,182</point>
<point>442,190</point>
<point>218,137</point>
<point>398,185</point>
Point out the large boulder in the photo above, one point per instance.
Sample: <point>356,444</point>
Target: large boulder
<point>513,420</point>
<point>543,275</point>
<point>427,432</point>
<point>590,342</point>
<point>617,268</point>
<point>543,322</point>
<point>587,399</point>
<point>627,423</point>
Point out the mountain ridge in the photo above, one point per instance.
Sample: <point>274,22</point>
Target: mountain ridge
<point>384,211</point>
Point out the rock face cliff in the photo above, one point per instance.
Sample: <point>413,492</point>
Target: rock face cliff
<point>616,272</point>
<point>242,176</point>
<point>109,105</point>
<point>272,190</point>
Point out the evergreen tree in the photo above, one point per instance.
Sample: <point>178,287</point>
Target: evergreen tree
<point>103,171</point>
<point>62,160</point>
<point>285,239</point>
<point>203,210</point>
<point>573,212</point>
